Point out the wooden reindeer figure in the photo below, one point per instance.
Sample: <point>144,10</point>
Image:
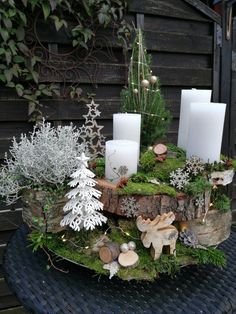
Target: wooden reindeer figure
<point>158,233</point>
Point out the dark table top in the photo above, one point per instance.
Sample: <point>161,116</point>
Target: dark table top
<point>196,289</point>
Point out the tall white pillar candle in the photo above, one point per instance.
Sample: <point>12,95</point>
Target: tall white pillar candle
<point>206,125</point>
<point>188,96</point>
<point>127,126</point>
<point>121,159</point>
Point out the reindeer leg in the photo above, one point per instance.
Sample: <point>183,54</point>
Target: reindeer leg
<point>156,252</point>
<point>172,248</point>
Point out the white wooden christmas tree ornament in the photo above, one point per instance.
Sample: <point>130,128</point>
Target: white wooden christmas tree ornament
<point>83,206</point>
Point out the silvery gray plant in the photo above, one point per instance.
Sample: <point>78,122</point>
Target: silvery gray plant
<point>46,156</point>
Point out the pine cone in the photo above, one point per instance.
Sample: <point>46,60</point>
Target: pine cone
<point>188,238</point>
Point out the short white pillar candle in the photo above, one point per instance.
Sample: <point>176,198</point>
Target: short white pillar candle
<point>127,126</point>
<point>121,159</point>
<point>188,96</point>
<point>206,125</point>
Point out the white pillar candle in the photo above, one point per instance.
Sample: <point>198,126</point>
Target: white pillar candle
<point>188,96</point>
<point>206,125</point>
<point>127,126</point>
<point>121,159</point>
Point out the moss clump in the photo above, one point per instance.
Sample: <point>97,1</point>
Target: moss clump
<point>209,256</point>
<point>234,163</point>
<point>199,186</point>
<point>139,177</point>
<point>98,167</point>
<point>77,248</point>
<point>180,153</point>
<point>220,200</point>
<point>162,170</point>
<point>148,161</point>
<point>147,189</point>
<point>216,166</point>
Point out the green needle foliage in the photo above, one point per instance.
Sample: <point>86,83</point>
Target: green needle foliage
<point>143,95</point>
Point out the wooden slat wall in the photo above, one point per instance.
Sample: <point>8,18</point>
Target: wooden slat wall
<point>181,41</point>
<point>233,115</point>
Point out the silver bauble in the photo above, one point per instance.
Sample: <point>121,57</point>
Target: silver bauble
<point>131,245</point>
<point>153,79</point>
<point>145,83</point>
<point>124,247</point>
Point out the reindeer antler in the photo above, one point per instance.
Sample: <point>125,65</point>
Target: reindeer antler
<point>159,222</point>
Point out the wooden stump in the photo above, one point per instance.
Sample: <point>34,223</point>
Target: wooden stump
<point>149,206</point>
<point>36,216</point>
<point>109,252</point>
<point>214,230</point>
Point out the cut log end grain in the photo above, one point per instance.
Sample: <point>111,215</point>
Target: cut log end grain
<point>160,149</point>
<point>128,259</point>
<point>106,184</point>
<point>109,252</point>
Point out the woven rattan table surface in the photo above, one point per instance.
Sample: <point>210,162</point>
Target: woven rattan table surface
<point>196,289</point>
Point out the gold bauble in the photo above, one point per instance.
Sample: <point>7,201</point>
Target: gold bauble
<point>145,83</point>
<point>153,79</point>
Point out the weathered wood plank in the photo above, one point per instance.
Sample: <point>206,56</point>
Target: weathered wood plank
<point>226,61</point>
<point>167,8</point>
<point>177,42</point>
<point>216,62</point>
<point>172,25</point>
<point>160,40</point>
<point>193,61</point>
<point>2,250</point>
<point>67,109</point>
<point>47,32</point>
<point>13,110</point>
<point>10,220</point>
<point>4,289</point>
<point>8,301</point>
<point>115,74</point>
<point>71,110</point>
<point>8,130</point>
<point>4,237</point>
<point>199,5</point>
<point>15,310</point>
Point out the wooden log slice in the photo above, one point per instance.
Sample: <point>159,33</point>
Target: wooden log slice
<point>149,206</point>
<point>128,259</point>
<point>160,149</point>
<point>109,252</point>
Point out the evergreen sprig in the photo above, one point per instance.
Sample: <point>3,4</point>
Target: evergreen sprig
<point>143,95</point>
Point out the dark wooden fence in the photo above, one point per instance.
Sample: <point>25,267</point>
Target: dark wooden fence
<point>233,113</point>
<point>185,54</point>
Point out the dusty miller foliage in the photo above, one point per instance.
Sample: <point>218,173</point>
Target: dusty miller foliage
<point>47,156</point>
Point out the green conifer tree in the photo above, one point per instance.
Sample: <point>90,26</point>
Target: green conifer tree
<point>143,95</point>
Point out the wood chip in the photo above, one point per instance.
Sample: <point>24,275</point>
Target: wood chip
<point>128,259</point>
<point>106,184</point>
<point>160,149</point>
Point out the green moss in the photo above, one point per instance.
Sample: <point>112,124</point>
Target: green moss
<point>216,166</point>
<point>77,248</point>
<point>147,189</point>
<point>148,161</point>
<point>220,200</point>
<point>180,153</point>
<point>139,177</point>
<point>234,163</point>
<point>99,167</point>
<point>162,170</point>
<point>199,186</point>
<point>209,256</point>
